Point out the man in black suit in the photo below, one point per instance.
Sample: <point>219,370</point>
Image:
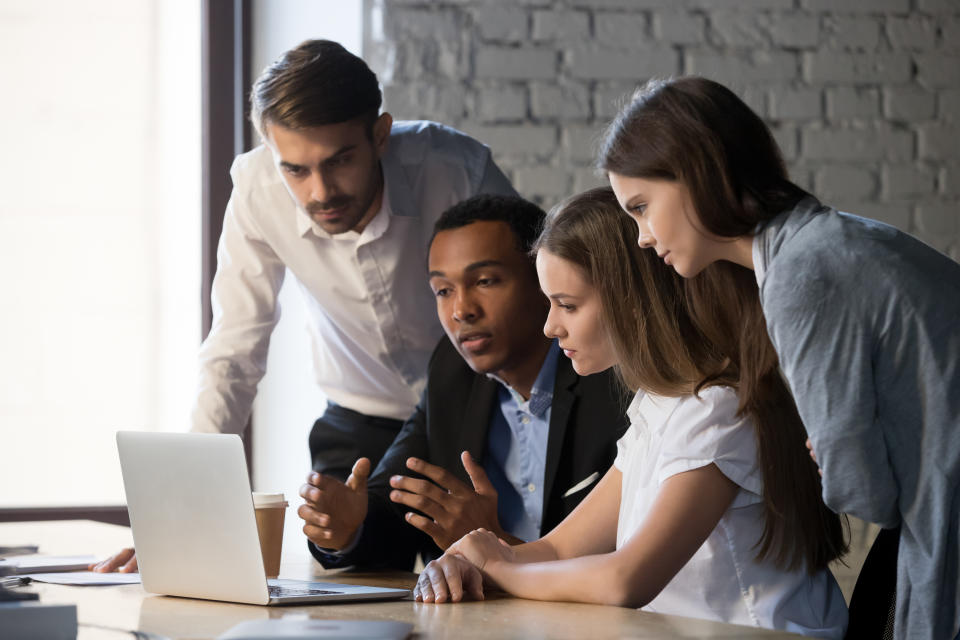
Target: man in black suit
<point>506,435</point>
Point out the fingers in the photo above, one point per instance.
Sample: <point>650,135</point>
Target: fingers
<point>478,476</point>
<point>439,475</point>
<point>309,492</point>
<point>448,578</point>
<point>451,573</point>
<point>323,491</point>
<point>472,581</point>
<point>423,591</point>
<point>131,566</point>
<point>114,562</point>
<point>432,508</point>
<point>323,482</point>
<point>359,474</point>
<point>320,536</point>
<point>310,515</point>
<point>430,528</point>
<point>438,581</point>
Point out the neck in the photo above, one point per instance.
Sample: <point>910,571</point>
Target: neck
<point>739,251</point>
<point>375,204</point>
<point>523,374</point>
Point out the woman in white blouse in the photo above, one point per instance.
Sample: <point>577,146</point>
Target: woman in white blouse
<point>697,516</point>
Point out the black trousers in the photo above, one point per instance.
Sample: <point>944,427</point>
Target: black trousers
<point>342,435</point>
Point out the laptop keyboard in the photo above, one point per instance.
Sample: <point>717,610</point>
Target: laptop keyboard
<point>281,591</point>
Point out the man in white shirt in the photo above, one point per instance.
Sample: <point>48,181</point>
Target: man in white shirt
<point>345,200</point>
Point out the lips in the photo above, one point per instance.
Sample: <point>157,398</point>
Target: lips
<point>475,341</point>
<point>329,213</point>
<point>337,209</point>
<point>663,256</point>
<point>568,352</point>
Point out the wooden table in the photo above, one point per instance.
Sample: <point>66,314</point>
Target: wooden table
<point>111,612</point>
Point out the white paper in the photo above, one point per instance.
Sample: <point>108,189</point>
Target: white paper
<point>86,578</point>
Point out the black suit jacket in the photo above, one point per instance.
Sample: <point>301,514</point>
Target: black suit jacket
<point>587,417</point>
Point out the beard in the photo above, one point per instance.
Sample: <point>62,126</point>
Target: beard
<point>343,213</point>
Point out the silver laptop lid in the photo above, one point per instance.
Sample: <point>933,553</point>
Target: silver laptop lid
<point>192,517</point>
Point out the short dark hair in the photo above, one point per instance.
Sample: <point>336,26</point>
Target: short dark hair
<point>317,82</point>
<point>523,217</point>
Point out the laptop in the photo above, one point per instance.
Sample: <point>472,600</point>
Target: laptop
<point>191,513</point>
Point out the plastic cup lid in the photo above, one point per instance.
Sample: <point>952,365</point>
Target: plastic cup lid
<point>261,499</point>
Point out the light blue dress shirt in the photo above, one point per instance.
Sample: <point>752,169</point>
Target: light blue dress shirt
<point>516,453</point>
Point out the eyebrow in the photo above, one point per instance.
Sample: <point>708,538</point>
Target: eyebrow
<point>557,296</point>
<point>473,266</point>
<point>339,152</point>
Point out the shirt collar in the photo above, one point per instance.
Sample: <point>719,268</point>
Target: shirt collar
<point>771,235</point>
<point>541,394</point>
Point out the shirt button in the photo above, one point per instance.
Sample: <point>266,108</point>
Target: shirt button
<point>525,420</point>
<point>531,487</point>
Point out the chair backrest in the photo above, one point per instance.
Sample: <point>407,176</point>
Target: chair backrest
<point>873,603</point>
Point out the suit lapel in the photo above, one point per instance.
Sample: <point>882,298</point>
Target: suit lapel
<point>476,419</point>
<point>563,396</point>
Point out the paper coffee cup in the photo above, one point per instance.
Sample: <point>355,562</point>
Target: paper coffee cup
<point>270,509</point>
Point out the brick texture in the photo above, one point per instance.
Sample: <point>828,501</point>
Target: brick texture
<point>863,96</point>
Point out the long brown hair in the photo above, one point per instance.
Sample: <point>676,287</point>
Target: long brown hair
<point>699,133</point>
<point>657,344</point>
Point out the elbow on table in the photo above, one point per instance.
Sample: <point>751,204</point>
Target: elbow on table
<point>626,589</point>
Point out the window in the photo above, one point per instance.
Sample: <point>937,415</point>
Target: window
<point>100,221</point>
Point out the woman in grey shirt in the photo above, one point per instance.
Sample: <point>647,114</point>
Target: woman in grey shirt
<point>864,319</point>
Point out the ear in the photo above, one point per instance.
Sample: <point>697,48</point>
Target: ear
<point>381,132</point>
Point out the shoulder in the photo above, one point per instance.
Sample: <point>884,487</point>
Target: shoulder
<point>416,141</point>
<point>704,426</point>
<point>715,406</point>
<point>834,258</point>
<point>708,429</point>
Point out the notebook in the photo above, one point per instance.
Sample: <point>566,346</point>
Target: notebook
<point>191,513</point>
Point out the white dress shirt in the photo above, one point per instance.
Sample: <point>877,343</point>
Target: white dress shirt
<point>723,580</point>
<point>372,318</point>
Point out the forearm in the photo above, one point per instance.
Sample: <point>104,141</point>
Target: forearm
<point>537,551</point>
<point>597,579</point>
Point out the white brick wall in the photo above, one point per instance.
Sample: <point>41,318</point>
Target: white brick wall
<point>862,95</point>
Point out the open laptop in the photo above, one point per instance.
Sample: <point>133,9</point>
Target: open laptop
<point>194,528</point>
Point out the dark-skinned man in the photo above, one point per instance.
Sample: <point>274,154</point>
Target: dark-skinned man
<point>506,435</point>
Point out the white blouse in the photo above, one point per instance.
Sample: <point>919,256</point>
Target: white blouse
<point>723,580</point>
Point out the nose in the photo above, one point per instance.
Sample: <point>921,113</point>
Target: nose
<point>465,308</point>
<point>551,328</point>
<point>320,189</point>
<point>644,237</point>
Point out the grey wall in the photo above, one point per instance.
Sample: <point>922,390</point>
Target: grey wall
<point>863,96</point>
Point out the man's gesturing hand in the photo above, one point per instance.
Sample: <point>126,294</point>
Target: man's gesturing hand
<point>334,511</point>
<point>453,508</point>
